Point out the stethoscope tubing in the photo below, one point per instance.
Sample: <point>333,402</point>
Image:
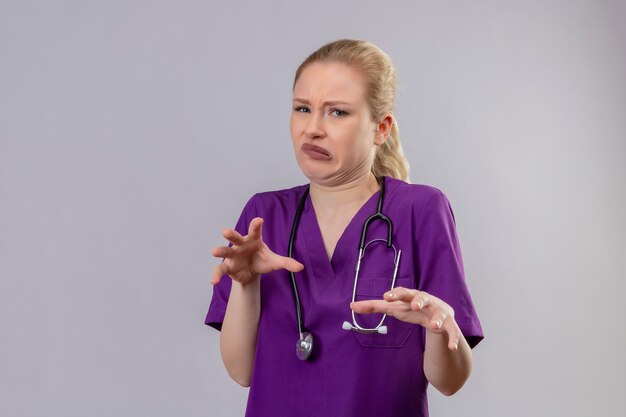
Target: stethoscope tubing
<point>292,237</point>
<point>305,342</point>
<point>396,261</point>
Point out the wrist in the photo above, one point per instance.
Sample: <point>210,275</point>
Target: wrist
<point>251,284</point>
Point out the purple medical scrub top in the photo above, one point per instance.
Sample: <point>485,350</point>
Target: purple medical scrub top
<point>349,373</point>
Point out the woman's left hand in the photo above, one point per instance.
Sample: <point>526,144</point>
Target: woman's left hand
<point>418,307</point>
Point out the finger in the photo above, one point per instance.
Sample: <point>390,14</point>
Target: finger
<point>369,306</point>
<point>233,236</point>
<point>417,299</point>
<point>437,320</point>
<point>454,334</point>
<point>255,228</point>
<point>400,293</point>
<point>421,301</point>
<point>376,306</point>
<point>218,272</point>
<point>223,252</point>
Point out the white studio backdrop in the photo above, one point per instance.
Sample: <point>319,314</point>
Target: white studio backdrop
<point>132,132</point>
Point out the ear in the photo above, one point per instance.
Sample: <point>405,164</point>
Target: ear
<point>383,130</point>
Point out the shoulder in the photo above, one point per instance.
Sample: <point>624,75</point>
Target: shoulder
<point>275,199</point>
<point>417,196</point>
<point>425,203</point>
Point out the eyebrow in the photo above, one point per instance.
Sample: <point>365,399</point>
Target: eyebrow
<point>301,100</point>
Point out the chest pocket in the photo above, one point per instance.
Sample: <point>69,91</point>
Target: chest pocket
<point>397,331</point>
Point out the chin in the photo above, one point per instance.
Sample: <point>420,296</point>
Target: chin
<point>315,173</point>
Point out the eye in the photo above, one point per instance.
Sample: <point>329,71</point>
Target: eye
<point>343,113</point>
<point>300,108</point>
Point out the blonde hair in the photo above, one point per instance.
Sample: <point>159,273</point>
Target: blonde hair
<point>380,75</point>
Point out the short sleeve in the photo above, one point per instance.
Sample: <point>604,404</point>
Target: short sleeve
<point>440,264</point>
<point>221,291</point>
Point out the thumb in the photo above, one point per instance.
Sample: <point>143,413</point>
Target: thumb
<point>290,264</point>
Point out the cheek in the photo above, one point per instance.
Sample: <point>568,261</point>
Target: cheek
<point>293,130</point>
<point>357,144</point>
<point>291,125</point>
<point>295,126</point>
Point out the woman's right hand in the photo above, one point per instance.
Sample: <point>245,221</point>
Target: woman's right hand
<point>249,256</point>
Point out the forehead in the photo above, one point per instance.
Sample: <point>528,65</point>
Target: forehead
<point>330,81</point>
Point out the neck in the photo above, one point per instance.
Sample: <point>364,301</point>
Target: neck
<point>331,198</point>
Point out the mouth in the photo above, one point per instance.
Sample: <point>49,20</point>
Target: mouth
<point>315,152</point>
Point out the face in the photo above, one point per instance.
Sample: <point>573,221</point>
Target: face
<point>329,111</point>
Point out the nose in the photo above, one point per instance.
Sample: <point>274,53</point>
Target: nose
<point>315,127</point>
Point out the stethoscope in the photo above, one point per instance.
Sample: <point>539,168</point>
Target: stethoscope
<point>304,345</point>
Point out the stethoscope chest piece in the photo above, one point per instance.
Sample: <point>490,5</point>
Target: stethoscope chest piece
<point>304,346</point>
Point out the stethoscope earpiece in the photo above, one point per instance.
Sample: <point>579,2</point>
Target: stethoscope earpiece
<point>349,326</point>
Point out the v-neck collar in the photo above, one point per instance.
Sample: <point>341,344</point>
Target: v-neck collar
<point>347,248</point>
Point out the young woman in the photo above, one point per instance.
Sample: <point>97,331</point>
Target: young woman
<point>358,231</point>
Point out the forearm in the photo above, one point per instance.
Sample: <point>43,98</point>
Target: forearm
<point>445,369</point>
<point>239,330</point>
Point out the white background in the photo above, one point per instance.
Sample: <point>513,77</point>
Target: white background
<point>132,132</point>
